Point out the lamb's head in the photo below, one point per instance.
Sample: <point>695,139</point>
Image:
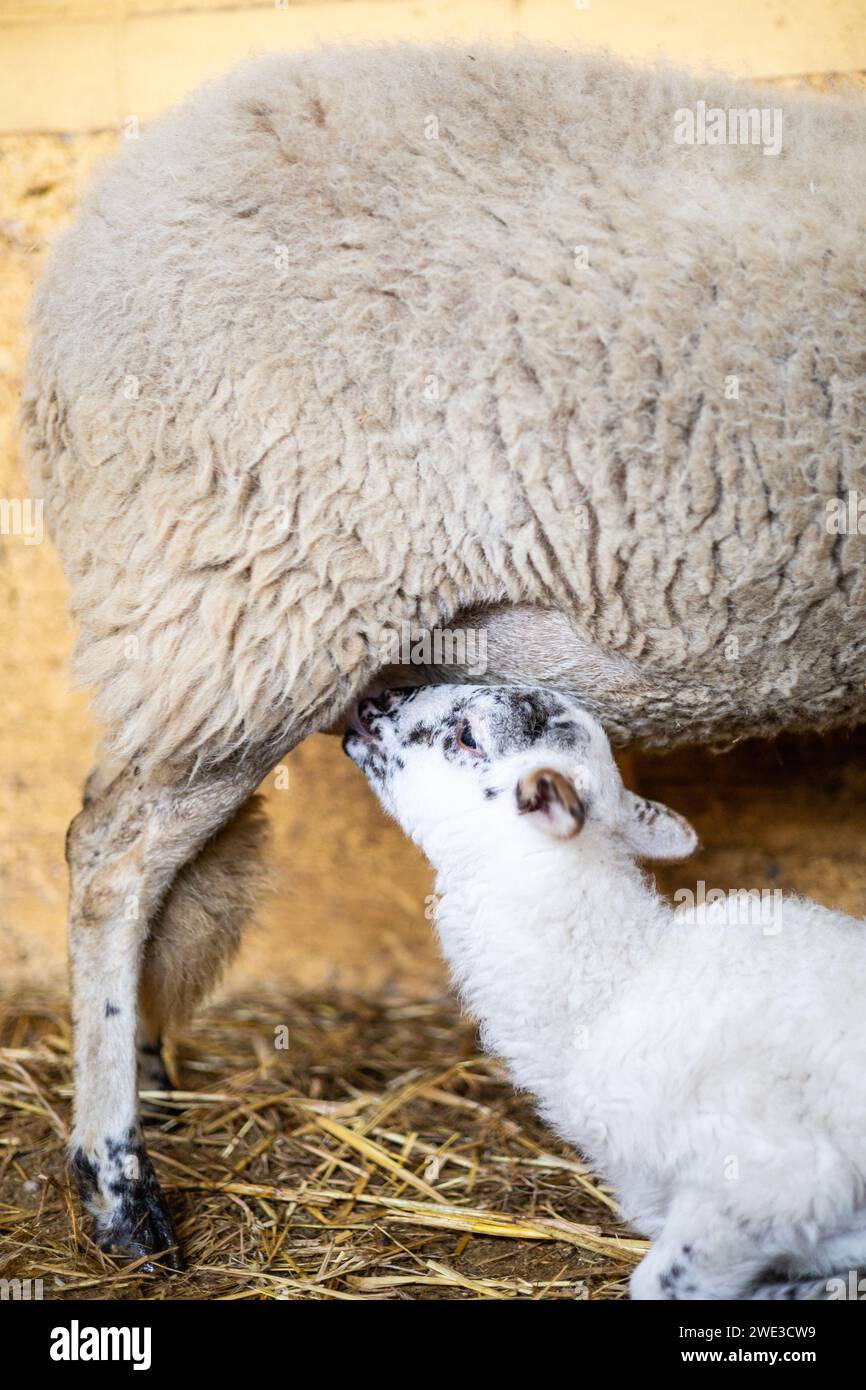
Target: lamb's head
<point>503,762</point>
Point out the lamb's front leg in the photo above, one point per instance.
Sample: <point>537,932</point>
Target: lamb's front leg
<point>124,850</point>
<point>702,1254</point>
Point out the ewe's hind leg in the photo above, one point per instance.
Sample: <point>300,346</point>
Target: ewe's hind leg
<point>124,849</point>
<point>196,931</point>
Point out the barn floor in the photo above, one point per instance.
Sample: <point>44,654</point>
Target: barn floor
<point>378,1155</point>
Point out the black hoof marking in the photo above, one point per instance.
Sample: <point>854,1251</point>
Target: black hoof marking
<point>136,1223</point>
<point>144,1230</point>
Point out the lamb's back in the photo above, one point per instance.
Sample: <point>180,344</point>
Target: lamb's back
<point>739,1051</point>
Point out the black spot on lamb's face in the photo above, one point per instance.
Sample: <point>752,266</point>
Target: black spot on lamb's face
<point>524,719</point>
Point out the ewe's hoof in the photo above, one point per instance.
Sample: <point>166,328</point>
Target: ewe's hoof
<point>143,1228</point>
<point>131,1218</point>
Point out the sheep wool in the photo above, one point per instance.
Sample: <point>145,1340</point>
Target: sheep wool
<point>384,335</point>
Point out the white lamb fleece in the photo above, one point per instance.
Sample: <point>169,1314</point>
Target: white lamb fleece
<point>712,1071</point>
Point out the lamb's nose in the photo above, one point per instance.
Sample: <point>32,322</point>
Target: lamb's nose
<point>367,711</point>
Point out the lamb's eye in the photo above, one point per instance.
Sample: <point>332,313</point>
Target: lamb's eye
<point>465,738</point>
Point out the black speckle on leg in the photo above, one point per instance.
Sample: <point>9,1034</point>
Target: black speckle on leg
<point>674,1281</point>
<point>83,1174</point>
<point>111,1010</point>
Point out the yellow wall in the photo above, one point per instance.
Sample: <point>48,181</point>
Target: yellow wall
<point>350,901</point>
<point>85,64</point>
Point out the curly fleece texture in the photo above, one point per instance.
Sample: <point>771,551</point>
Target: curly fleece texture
<point>380,334</point>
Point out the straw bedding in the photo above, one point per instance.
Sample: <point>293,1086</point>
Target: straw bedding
<point>377,1156</point>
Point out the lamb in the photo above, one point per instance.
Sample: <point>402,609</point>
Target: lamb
<point>710,1068</point>
<point>439,336</point>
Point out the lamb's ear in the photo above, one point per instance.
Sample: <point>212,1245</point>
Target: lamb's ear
<point>552,801</point>
<point>653,831</point>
